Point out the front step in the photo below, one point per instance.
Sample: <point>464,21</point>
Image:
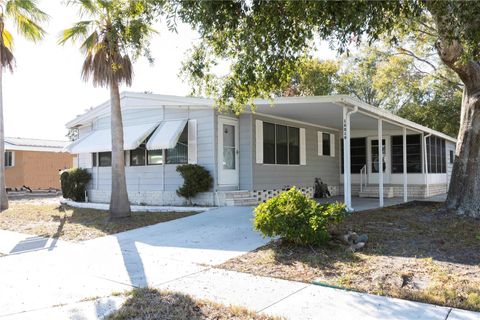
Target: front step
<point>240,198</point>
<point>372,192</point>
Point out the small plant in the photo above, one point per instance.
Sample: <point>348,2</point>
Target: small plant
<point>74,183</point>
<point>297,218</point>
<point>196,179</point>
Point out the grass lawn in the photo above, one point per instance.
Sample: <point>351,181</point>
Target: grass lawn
<point>154,304</point>
<point>414,252</point>
<point>67,223</point>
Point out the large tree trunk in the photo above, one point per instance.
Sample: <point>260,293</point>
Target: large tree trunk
<point>3,192</point>
<point>119,203</point>
<point>464,192</point>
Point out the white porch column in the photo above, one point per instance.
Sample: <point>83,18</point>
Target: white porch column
<point>405,183</point>
<point>346,160</point>
<point>380,162</point>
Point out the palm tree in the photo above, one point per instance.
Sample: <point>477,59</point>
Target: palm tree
<point>26,17</point>
<point>113,30</point>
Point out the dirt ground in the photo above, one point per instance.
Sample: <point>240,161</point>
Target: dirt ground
<point>46,217</point>
<point>415,251</point>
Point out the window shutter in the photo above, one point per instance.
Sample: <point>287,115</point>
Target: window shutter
<point>320,143</point>
<point>332,145</point>
<point>192,141</point>
<point>303,151</point>
<point>88,160</point>
<point>259,141</point>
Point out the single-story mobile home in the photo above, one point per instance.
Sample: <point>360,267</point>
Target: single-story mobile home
<point>285,142</point>
<point>35,163</point>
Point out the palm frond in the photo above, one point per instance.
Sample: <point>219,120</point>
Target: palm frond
<point>78,31</point>
<point>7,59</point>
<point>86,7</point>
<point>27,17</point>
<point>7,39</point>
<point>106,66</point>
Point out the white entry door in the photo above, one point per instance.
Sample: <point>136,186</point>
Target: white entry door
<point>228,172</point>
<point>373,166</point>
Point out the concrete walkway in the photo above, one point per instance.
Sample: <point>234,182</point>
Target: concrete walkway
<point>179,255</point>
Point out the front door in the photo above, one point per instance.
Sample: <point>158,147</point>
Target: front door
<point>228,136</point>
<point>373,166</point>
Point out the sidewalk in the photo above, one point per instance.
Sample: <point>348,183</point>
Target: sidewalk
<point>179,255</point>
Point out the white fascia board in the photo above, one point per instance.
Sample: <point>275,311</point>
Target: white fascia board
<point>163,100</point>
<point>390,116</point>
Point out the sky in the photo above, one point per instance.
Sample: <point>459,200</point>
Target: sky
<point>46,90</point>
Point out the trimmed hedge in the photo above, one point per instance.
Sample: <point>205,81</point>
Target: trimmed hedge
<point>196,179</point>
<point>74,183</point>
<point>296,218</point>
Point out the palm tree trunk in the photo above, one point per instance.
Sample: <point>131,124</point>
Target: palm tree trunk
<point>3,192</point>
<point>119,203</point>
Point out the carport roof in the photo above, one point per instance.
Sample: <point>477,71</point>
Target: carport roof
<point>325,111</point>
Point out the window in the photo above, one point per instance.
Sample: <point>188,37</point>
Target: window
<point>414,154</point>
<point>9,159</point>
<point>326,144</point>
<point>137,156</point>
<point>358,154</point>
<point>179,154</point>
<point>293,145</point>
<point>436,155</point>
<point>451,156</point>
<point>94,159</point>
<point>154,157</point>
<point>104,159</point>
<point>281,144</point>
<point>268,143</point>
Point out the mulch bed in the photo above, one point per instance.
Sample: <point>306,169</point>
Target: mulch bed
<point>415,251</point>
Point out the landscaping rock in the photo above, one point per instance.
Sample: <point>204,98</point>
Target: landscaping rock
<point>353,237</point>
<point>362,238</point>
<point>356,246</point>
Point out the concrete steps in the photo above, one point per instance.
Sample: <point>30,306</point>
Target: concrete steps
<point>240,198</point>
<point>372,192</point>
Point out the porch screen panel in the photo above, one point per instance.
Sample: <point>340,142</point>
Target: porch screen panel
<point>358,154</point>
<point>436,157</point>
<point>414,154</point>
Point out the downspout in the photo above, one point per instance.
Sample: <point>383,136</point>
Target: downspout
<point>427,193</point>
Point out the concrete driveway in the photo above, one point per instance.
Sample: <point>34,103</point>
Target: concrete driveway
<point>79,281</point>
<point>152,256</point>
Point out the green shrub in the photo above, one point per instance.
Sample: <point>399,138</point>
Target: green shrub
<point>74,183</point>
<point>296,218</point>
<point>195,179</point>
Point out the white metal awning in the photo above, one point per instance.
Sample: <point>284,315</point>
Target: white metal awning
<point>101,140</point>
<point>167,135</point>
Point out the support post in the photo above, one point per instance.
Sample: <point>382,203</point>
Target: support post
<point>405,182</point>
<point>380,163</point>
<point>346,160</point>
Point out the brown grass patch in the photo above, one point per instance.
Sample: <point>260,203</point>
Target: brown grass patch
<point>414,252</point>
<point>76,224</point>
<point>153,304</point>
